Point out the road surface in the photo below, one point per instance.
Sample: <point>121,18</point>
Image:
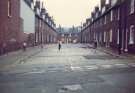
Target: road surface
<point>74,69</point>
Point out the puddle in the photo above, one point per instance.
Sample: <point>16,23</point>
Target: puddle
<point>70,88</point>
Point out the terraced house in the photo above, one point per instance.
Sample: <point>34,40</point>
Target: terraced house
<point>44,25</point>
<point>24,21</point>
<point>9,25</point>
<point>112,24</point>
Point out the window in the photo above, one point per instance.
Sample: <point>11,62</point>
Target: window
<point>132,7</point>
<point>104,36</point>
<point>118,14</point>
<point>118,32</point>
<point>40,23</point>
<point>9,8</point>
<point>111,35</point>
<point>132,34</point>
<point>105,20</point>
<point>100,37</point>
<point>111,15</point>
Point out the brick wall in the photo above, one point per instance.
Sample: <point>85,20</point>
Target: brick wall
<point>9,26</point>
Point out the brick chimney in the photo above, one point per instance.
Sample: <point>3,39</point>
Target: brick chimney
<point>114,2</point>
<point>103,3</point>
<point>96,9</point>
<point>37,4</point>
<point>43,10</point>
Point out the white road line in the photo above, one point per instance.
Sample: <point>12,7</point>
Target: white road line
<point>91,67</point>
<point>34,72</point>
<point>121,65</point>
<point>52,71</point>
<point>106,66</point>
<point>76,68</point>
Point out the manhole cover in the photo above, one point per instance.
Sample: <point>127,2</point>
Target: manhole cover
<point>70,88</point>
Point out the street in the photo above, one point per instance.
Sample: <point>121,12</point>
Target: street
<point>74,69</point>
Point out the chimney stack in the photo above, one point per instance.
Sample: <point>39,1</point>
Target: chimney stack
<point>37,4</point>
<point>103,3</point>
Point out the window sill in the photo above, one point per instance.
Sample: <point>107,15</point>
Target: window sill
<point>131,13</point>
<point>9,16</point>
<point>131,43</point>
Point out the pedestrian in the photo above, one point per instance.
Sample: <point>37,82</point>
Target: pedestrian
<point>24,46</point>
<point>59,45</point>
<point>4,46</point>
<point>42,46</point>
<point>95,45</point>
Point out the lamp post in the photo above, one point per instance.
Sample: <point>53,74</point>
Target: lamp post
<point>81,32</point>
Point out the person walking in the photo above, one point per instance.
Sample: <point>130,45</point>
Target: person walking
<point>24,46</point>
<point>59,45</point>
<point>95,45</point>
<point>4,46</point>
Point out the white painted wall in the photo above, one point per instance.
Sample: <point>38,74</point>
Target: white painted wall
<point>28,16</point>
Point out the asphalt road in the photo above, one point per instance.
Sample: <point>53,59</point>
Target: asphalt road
<point>74,69</point>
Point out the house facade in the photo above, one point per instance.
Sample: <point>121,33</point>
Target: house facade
<point>9,25</point>
<point>24,21</point>
<point>112,25</point>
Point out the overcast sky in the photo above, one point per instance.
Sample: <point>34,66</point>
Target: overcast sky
<point>70,12</point>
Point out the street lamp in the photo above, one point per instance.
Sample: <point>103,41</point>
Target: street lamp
<point>81,32</point>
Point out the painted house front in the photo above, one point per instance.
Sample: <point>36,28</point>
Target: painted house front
<point>27,16</point>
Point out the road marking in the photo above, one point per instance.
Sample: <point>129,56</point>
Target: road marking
<point>34,72</point>
<point>76,68</point>
<point>52,71</point>
<point>91,67</point>
<point>121,65</point>
<point>106,66</point>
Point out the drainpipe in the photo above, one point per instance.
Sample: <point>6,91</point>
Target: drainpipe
<point>120,28</point>
<point>125,27</point>
<point>122,32</point>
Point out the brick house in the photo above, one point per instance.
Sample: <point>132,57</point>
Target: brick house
<point>9,24</point>
<point>45,26</point>
<point>113,25</point>
<point>130,26</point>
<point>20,23</point>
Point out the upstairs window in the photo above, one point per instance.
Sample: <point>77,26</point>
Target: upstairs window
<point>111,15</point>
<point>9,8</point>
<point>132,7</point>
<point>118,17</point>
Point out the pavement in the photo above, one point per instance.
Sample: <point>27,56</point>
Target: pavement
<point>76,68</point>
<point>16,57</point>
<point>113,52</point>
